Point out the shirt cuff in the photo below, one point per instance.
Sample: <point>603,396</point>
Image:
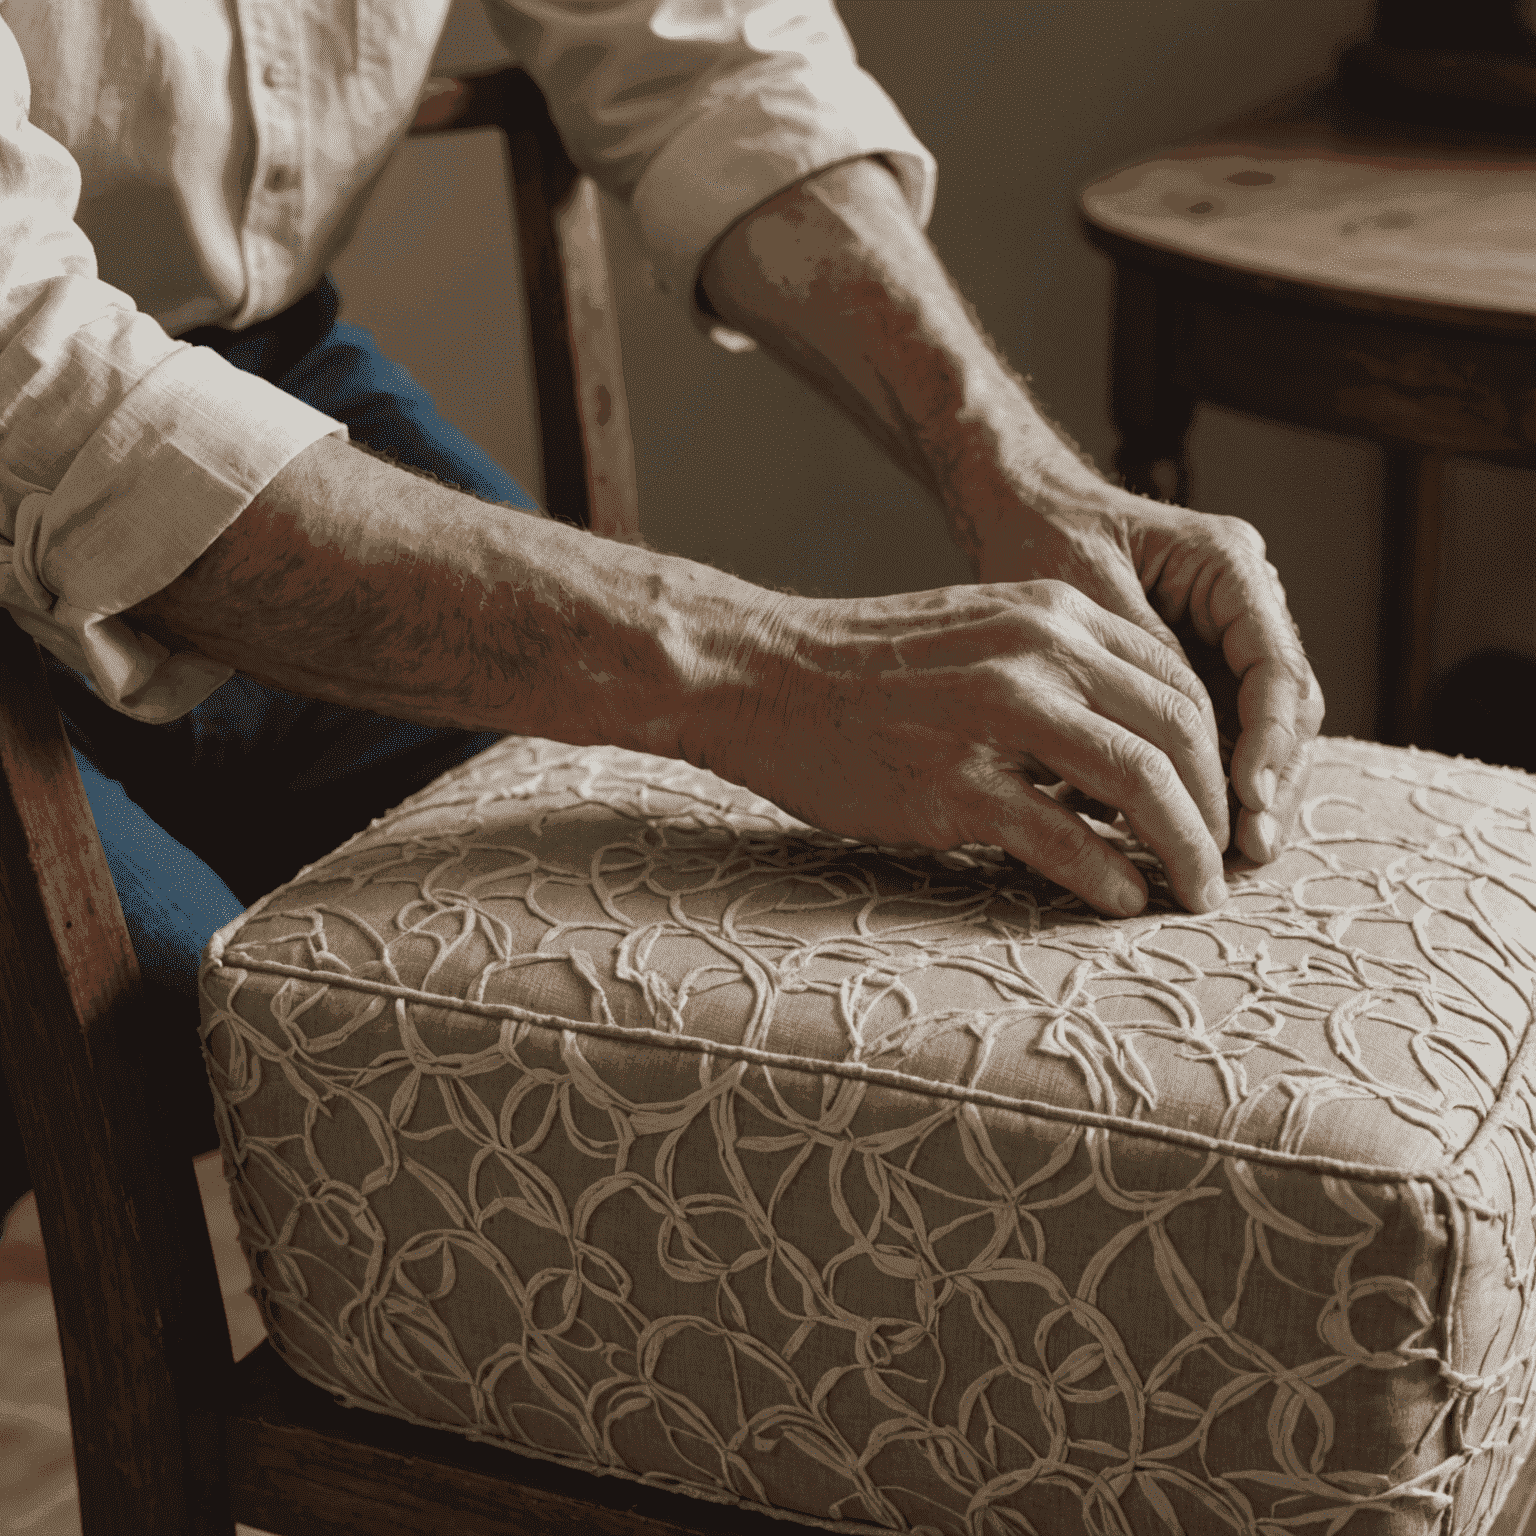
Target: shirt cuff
<point>190,447</point>
<point>754,134</point>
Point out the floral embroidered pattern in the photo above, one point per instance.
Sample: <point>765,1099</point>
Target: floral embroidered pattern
<point>589,1105</point>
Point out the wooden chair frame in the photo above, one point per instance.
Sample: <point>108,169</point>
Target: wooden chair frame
<point>171,1436</point>
<point>573,335</point>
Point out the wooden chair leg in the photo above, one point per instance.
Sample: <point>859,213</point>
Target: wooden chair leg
<point>141,1324</point>
<point>1413,518</point>
<point>15,1178</point>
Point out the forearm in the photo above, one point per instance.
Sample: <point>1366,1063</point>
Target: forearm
<point>836,280</point>
<point>355,582</point>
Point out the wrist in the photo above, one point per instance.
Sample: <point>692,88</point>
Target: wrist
<point>1000,467</point>
<point>690,651</point>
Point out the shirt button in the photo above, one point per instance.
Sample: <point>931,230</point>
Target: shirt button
<point>281,177</point>
<point>275,76</point>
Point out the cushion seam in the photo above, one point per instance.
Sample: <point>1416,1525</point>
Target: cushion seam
<point>858,1071</point>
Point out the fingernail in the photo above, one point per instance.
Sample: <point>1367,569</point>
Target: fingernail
<point>1266,788</point>
<point>1267,830</point>
<point>1214,895</point>
<point>1127,896</point>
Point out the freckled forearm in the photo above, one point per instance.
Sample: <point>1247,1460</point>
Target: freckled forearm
<point>353,581</point>
<point>835,279</point>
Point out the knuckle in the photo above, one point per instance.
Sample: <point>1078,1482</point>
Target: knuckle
<point>1064,843</point>
<point>1142,768</point>
<point>1182,714</point>
<point>991,690</point>
<point>1053,610</point>
<point>1059,595</point>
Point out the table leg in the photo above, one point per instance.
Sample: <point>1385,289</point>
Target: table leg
<point>1413,507</point>
<point>1150,413</point>
<point>1155,464</point>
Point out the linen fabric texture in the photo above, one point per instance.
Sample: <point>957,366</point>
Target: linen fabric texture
<point>166,166</point>
<point>591,1106</point>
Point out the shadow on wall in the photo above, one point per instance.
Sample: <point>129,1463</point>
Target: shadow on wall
<point>1022,104</point>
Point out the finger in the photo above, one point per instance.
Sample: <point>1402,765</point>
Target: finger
<point>1279,701</point>
<point>1263,836</point>
<point>1169,666</point>
<point>1034,828</point>
<point>1268,706</point>
<point>1165,718</point>
<point>1280,715</point>
<point>1221,686</point>
<point>1101,758</point>
<point>1173,712</point>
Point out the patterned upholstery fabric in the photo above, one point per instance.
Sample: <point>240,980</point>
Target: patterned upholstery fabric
<point>589,1105</point>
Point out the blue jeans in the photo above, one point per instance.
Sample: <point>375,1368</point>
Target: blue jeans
<point>202,816</point>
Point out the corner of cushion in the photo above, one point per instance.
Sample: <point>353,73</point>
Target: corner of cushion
<point>219,943</point>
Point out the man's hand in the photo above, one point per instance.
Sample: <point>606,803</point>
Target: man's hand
<point>924,718</point>
<point>1202,586</point>
<point>834,278</point>
<point>930,718</point>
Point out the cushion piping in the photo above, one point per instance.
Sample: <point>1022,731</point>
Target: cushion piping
<point>884,1076</point>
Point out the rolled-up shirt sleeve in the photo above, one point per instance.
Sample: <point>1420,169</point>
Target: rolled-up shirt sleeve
<point>694,112</point>
<point>123,453</point>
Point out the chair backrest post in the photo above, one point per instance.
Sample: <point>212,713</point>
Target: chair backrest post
<point>140,1314</point>
<point>573,332</point>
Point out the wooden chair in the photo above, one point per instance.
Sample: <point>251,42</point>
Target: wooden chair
<point>171,1435</point>
<point>588,453</point>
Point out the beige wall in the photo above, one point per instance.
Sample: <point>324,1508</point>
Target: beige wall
<point>1021,103</point>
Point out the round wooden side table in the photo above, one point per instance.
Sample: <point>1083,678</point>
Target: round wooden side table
<point>1319,267</point>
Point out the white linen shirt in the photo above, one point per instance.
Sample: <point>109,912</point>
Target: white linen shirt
<point>166,164</point>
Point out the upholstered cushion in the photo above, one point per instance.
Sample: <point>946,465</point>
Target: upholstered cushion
<point>590,1105</point>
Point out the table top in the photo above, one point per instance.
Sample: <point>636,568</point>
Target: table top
<point>1311,192</point>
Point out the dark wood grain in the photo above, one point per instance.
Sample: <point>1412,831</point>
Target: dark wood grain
<point>141,1320</point>
<point>1429,386</point>
<point>1414,497</point>
<point>302,1465</point>
<point>1150,410</point>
